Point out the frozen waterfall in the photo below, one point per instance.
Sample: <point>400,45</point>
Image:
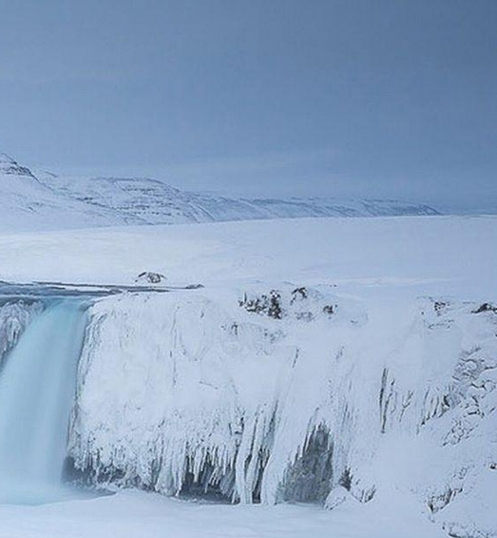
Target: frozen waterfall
<point>36,390</point>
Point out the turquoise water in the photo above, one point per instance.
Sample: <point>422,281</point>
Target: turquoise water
<point>37,388</point>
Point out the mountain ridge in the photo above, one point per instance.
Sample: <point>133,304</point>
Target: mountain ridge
<point>43,200</point>
<point>152,201</point>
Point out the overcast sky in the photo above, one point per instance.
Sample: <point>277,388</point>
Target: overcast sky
<point>392,98</point>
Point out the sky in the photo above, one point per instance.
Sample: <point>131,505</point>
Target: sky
<point>347,98</point>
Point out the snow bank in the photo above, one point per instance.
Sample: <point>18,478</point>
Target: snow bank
<point>293,393</point>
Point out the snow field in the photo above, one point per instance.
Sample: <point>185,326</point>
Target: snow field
<point>386,367</point>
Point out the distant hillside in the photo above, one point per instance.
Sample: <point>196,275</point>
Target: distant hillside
<point>46,201</point>
<point>26,203</point>
<point>144,200</point>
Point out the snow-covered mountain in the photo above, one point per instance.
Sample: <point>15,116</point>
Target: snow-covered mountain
<point>145,200</point>
<point>26,203</point>
<point>45,201</point>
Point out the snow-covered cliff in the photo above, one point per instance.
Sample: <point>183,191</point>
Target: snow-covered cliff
<point>293,393</point>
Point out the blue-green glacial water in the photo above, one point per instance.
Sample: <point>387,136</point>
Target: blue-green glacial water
<point>37,386</point>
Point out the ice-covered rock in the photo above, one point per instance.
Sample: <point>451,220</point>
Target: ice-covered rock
<point>149,277</point>
<point>194,393</point>
<point>15,316</point>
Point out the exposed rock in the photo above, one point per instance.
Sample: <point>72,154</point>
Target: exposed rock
<point>9,166</point>
<point>148,277</point>
<point>485,307</point>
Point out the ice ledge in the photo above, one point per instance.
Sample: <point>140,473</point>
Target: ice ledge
<point>197,394</point>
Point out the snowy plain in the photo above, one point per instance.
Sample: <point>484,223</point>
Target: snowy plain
<point>442,254</point>
<point>387,272</point>
<point>135,515</point>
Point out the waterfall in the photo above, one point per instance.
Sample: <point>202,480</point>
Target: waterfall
<point>36,392</point>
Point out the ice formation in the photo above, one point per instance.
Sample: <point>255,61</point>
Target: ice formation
<point>263,394</point>
<point>296,394</point>
<point>15,316</point>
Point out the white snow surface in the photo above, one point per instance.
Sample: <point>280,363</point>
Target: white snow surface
<point>138,515</point>
<point>374,381</point>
